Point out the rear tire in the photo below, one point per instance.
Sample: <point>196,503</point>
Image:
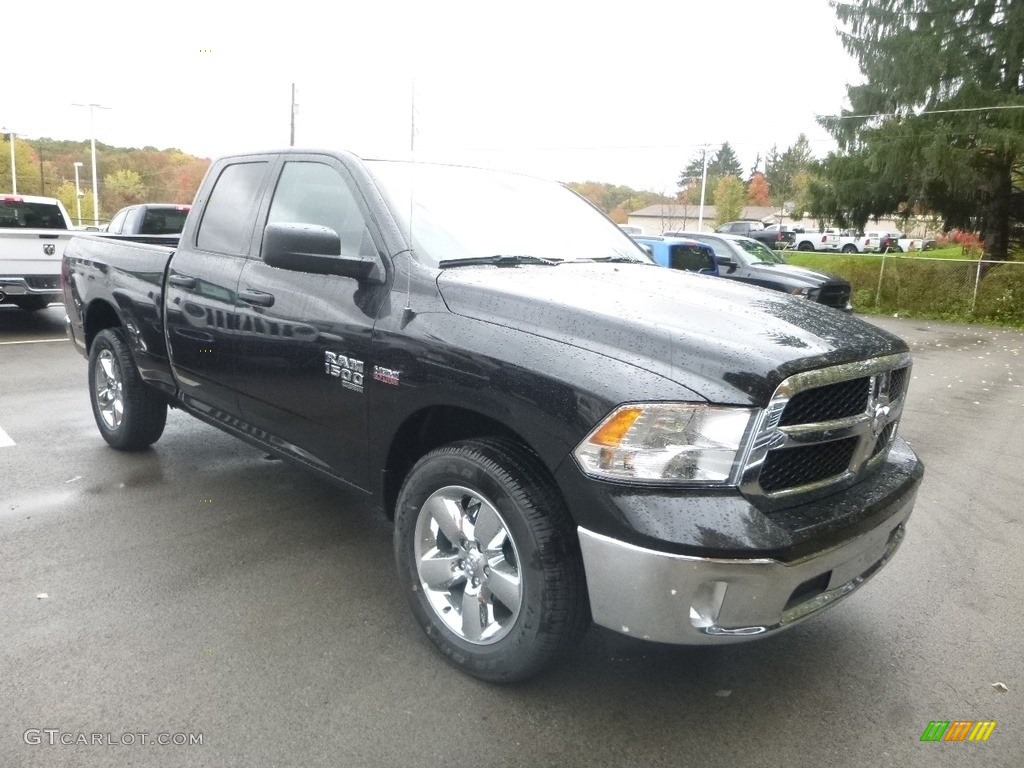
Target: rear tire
<point>130,415</point>
<point>489,560</point>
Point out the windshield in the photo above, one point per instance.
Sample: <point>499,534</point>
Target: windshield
<point>457,213</point>
<point>758,253</point>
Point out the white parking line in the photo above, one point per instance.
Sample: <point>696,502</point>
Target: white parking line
<point>5,439</point>
<point>32,341</point>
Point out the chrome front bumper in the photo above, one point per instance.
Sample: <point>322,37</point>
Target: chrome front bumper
<point>685,600</point>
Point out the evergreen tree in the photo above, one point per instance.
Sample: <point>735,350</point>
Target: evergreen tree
<point>939,123</point>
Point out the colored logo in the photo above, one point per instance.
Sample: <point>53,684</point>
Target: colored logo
<point>958,730</point>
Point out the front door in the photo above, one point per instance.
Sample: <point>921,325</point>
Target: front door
<point>303,339</point>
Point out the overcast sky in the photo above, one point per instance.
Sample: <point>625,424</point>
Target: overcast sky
<point>618,92</point>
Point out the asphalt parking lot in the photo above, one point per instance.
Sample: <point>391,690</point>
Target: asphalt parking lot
<point>200,589</point>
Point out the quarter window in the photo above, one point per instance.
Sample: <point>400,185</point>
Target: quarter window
<point>227,220</point>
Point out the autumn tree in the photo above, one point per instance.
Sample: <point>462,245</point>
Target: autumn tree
<point>938,123</point>
<point>757,190</point>
<point>122,188</point>
<point>730,196</point>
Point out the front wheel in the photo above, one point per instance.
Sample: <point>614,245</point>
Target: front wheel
<point>805,246</point>
<point>489,559</point>
<point>130,415</point>
<point>849,248</point>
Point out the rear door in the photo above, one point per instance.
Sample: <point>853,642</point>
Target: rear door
<point>202,284</point>
<point>304,340</point>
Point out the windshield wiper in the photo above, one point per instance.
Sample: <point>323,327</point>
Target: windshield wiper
<point>498,261</point>
<point>616,260</point>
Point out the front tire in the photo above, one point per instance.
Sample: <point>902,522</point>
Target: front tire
<point>489,559</point>
<point>805,246</point>
<point>850,248</point>
<point>130,415</point>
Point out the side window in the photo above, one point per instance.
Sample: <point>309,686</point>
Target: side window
<point>692,258</point>
<point>314,193</point>
<point>129,220</point>
<point>227,220</point>
<point>117,222</point>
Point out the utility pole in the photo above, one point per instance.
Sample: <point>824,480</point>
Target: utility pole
<point>703,187</point>
<point>14,176</point>
<point>291,142</point>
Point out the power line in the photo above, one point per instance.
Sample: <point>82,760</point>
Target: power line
<point>923,112</point>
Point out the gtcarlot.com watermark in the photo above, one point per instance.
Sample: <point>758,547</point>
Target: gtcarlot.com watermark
<point>57,737</point>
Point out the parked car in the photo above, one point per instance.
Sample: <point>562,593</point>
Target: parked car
<point>33,234</point>
<point>149,222</point>
<point>772,237</point>
<point>748,261</point>
<point>680,253</point>
<point>827,240</point>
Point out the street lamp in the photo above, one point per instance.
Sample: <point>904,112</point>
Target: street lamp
<point>78,194</point>
<point>95,189</point>
<point>14,175</point>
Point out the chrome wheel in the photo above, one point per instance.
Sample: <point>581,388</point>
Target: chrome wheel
<point>109,389</point>
<point>468,565</point>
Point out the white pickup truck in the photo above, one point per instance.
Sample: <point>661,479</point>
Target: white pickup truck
<point>827,240</point>
<point>33,234</point>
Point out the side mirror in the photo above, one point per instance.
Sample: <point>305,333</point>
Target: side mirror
<point>315,249</point>
<point>729,264</point>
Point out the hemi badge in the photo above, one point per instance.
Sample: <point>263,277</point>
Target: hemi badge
<point>386,375</point>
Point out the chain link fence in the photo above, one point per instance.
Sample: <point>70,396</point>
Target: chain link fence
<point>957,289</point>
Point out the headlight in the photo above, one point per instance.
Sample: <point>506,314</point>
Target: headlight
<point>667,443</point>
<point>807,293</point>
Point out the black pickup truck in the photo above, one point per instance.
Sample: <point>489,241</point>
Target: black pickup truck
<point>562,431</point>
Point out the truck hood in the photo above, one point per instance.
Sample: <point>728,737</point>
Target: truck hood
<point>726,342</point>
<point>792,275</point>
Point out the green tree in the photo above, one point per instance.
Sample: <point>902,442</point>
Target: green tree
<point>730,196</point>
<point>939,122</point>
<point>782,169</point>
<point>26,163</point>
<point>66,194</point>
<point>725,163</point>
<point>121,188</point>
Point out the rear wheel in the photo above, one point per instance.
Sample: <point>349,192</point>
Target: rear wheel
<point>129,414</point>
<point>489,560</point>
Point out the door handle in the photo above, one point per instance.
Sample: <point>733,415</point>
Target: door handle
<point>182,281</point>
<point>259,298</point>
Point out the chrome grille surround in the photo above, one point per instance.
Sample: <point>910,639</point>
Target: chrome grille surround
<point>874,427</point>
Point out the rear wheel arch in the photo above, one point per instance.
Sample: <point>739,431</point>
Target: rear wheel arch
<point>98,317</point>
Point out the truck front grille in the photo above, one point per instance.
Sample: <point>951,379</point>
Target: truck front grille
<point>807,464</point>
<point>825,427</point>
